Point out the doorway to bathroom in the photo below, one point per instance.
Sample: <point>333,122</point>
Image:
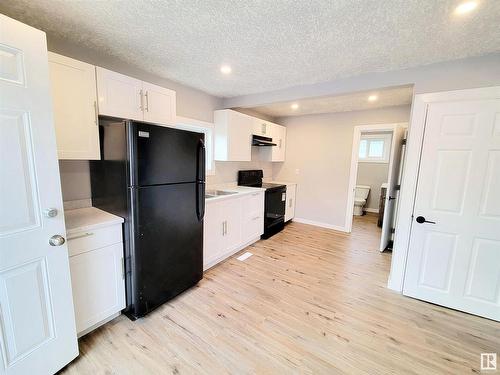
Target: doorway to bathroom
<point>376,165</point>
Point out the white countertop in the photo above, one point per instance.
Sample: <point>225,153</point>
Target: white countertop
<point>238,190</point>
<point>82,219</point>
<point>281,182</point>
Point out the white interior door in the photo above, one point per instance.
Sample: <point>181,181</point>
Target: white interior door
<point>37,325</point>
<point>454,257</point>
<point>392,188</point>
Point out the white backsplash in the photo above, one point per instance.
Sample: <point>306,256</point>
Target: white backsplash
<point>226,172</point>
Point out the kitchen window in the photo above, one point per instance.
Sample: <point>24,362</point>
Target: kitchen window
<point>206,128</point>
<point>374,148</point>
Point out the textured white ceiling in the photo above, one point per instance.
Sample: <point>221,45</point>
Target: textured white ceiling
<point>341,103</point>
<point>270,44</point>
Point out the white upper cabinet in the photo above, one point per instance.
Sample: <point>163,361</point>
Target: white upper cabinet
<point>233,136</point>
<point>158,104</point>
<point>261,127</point>
<point>74,102</point>
<point>125,97</point>
<point>119,95</point>
<point>278,134</point>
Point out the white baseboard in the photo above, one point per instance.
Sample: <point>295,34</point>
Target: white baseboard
<point>319,224</point>
<point>373,210</point>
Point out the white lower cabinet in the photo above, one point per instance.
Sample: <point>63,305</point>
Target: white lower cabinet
<point>230,225</point>
<point>291,190</point>
<point>97,276</point>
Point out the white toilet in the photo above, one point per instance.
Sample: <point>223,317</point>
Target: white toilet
<point>360,195</point>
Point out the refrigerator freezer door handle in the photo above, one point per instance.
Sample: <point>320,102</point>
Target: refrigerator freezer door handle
<point>200,161</point>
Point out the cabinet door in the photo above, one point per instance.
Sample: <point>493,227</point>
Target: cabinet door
<point>290,202</point>
<point>74,100</point>
<point>119,95</point>
<point>213,231</point>
<point>240,136</point>
<point>98,285</point>
<point>252,225</point>
<point>279,137</point>
<point>261,127</point>
<point>230,210</point>
<point>159,104</point>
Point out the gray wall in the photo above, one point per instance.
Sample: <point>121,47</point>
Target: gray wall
<point>318,157</point>
<point>373,175</point>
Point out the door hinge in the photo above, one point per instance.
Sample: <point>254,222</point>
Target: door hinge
<point>403,142</point>
<point>397,187</point>
<point>393,230</point>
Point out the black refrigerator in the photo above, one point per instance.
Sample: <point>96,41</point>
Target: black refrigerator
<point>153,177</point>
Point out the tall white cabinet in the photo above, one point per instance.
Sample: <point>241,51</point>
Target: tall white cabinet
<point>74,99</point>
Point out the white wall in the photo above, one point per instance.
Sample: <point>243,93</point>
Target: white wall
<point>319,149</point>
<point>227,172</point>
<point>373,175</point>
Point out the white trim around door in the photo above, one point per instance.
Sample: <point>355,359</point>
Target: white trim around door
<point>358,130</point>
<point>410,173</point>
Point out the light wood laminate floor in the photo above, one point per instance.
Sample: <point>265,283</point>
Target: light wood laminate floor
<point>310,300</point>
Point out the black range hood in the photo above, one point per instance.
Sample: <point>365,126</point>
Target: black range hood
<point>258,140</point>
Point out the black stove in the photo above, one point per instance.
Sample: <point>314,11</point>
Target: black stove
<point>275,200</point>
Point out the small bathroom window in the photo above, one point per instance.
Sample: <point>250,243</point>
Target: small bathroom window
<point>375,148</point>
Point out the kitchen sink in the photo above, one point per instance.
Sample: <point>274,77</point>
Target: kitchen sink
<point>215,193</point>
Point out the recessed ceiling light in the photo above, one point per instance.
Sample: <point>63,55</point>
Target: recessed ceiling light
<point>372,98</point>
<point>225,69</point>
<point>466,7</point>
<point>294,106</point>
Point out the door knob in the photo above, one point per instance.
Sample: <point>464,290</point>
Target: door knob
<point>56,240</point>
<point>389,198</point>
<point>50,212</point>
<point>421,220</point>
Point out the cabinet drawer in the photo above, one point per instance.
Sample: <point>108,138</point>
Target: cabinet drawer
<point>253,227</point>
<point>253,205</point>
<point>80,242</point>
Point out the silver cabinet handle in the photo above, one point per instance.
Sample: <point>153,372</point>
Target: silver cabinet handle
<point>123,268</point>
<point>223,228</point>
<point>142,100</point>
<point>147,101</point>
<point>255,194</point>
<point>86,234</point>
<point>56,240</point>
<point>256,218</point>
<point>290,204</point>
<point>96,113</point>
<point>263,128</point>
<point>279,143</point>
